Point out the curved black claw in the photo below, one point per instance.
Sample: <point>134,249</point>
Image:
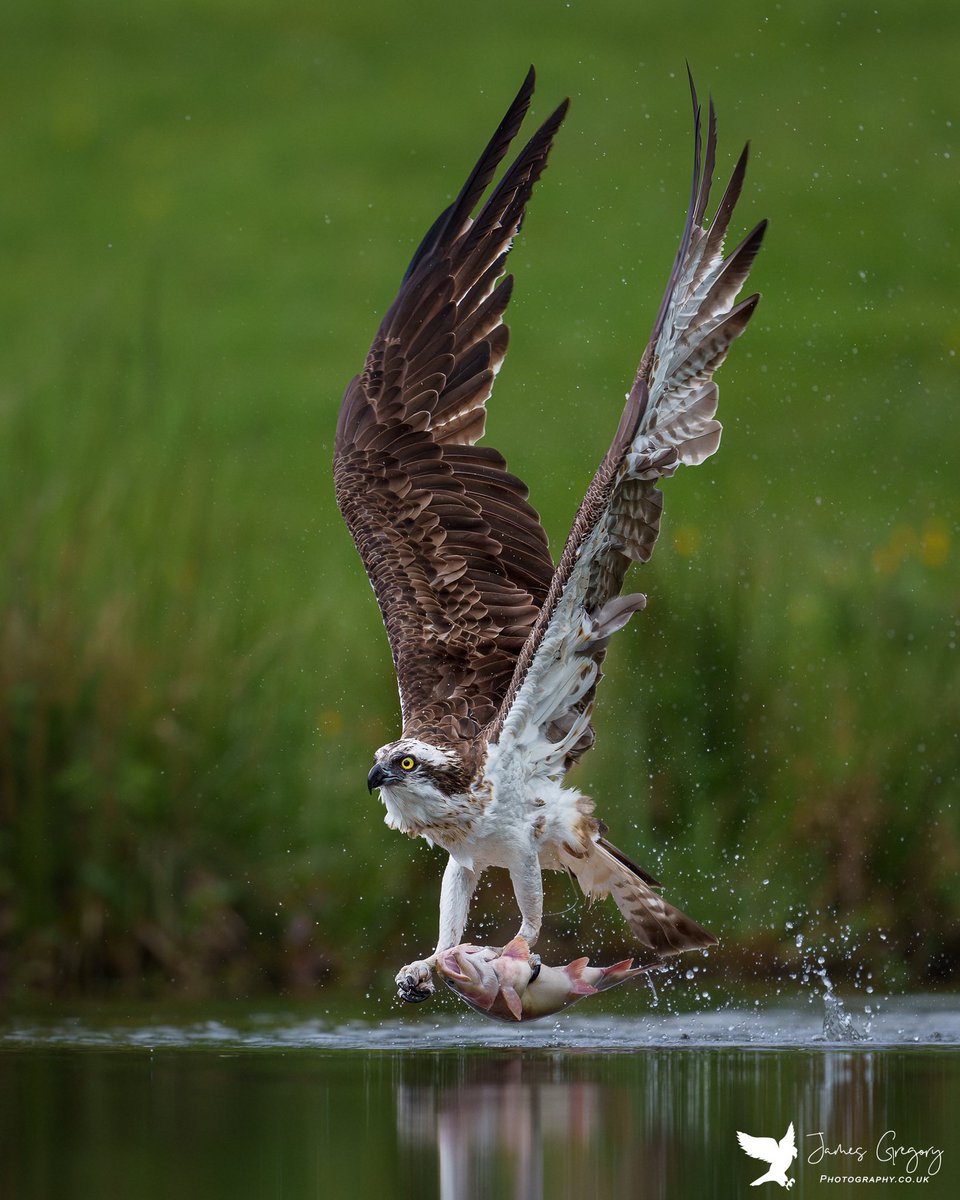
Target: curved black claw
<point>412,990</point>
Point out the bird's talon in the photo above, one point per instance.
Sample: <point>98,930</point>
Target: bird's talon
<point>414,995</point>
<point>414,983</point>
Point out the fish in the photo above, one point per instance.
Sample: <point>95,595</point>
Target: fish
<point>512,984</point>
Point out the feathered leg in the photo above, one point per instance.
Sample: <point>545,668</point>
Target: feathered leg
<point>456,891</point>
<point>527,883</point>
<point>414,981</point>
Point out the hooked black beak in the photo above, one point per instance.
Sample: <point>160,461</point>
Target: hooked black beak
<point>378,776</point>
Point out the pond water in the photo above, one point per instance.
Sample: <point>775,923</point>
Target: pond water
<point>281,1103</point>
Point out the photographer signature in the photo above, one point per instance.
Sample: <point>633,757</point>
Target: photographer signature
<point>887,1150</point>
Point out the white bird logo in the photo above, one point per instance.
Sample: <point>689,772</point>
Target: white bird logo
<point>778,1154</point>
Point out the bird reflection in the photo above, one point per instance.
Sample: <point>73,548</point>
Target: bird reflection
<point>518,1127</point>
<point>652,1125</point>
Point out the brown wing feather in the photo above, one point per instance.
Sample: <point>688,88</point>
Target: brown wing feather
<point>457,557</point>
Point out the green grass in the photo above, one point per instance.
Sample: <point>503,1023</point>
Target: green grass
<point>208,207</point>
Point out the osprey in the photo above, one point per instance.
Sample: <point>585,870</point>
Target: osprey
<point>498,651</point>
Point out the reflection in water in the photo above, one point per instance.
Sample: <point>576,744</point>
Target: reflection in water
<point>657,1124</point>
<point>273,1108</point>
<point>495,1125</point>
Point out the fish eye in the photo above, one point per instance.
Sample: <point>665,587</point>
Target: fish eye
<point>407,763</point>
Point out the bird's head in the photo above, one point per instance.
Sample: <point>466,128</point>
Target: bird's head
<point>414,769</point>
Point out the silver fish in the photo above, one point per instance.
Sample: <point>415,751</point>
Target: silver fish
<point>513,985</point>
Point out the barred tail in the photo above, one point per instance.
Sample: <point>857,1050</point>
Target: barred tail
<point>654,923</point>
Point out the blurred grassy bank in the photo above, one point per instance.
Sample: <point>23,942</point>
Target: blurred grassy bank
<point>209,205</point>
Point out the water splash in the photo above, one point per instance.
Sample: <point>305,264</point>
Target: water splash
<point>654,994</point>
<point>838,1025</point>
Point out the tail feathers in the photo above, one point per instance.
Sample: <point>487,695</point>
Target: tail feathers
<point>654,923</point>
<point>621,858</point>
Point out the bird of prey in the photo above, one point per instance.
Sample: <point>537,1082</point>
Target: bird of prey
<point>778,1154</point>
<point>498,650</point>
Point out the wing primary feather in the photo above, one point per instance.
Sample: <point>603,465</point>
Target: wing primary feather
<point>452,217</point>
<point>733,273</point>
<point>691,212</point>
<point>709,161</point>
<point>506,202</point>
<point>721,219</point>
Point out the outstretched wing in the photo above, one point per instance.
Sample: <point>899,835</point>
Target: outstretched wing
<point>762,1148</point>
<point>667,420</point>
<point>457,557</point>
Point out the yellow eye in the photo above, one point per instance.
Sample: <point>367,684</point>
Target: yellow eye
<point>408,763</point>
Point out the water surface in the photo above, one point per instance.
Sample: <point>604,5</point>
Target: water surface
<point>285,1104</point>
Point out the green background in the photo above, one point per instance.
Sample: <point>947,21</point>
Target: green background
<point>206,208</point>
